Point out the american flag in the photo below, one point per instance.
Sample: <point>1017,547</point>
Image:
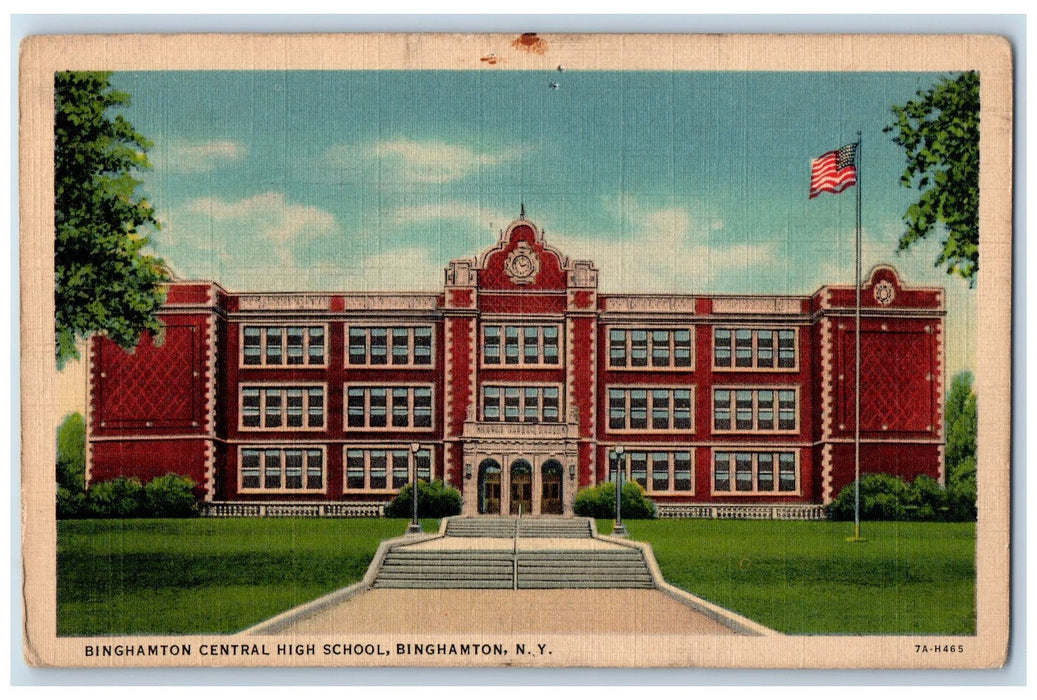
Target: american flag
<point>834,171</point>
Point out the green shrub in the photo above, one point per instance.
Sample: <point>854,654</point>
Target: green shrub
<point>600,502</point>
<point>71,453</point>
<point>435,500</point>
<point>961,491</point>
<point>118,498</point>
<point>71,503</point>
<point>170,496</point>
<point>888,497</point>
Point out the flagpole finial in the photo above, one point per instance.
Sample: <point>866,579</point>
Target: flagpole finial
<point>522,210</point>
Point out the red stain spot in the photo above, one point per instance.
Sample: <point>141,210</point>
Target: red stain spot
<point>490,59</point>
<point>530,42</point>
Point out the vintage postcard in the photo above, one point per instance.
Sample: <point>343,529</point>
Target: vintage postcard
<point>338,349</point>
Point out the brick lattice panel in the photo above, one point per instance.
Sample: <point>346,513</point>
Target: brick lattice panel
<point>896,382</point>
<point>155,385</point>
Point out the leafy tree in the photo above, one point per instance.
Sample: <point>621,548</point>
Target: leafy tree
<point>104,282</point>
<point>961,417</point>
<point>940,134</point>
<point>71,462</point>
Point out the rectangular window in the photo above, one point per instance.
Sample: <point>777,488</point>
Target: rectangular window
<point>377,469</point>
<point>682,471</point>
<point>748,348</point>
<point>296,346</point>
<point>654,409</point>
<point>525,404</point>
<point>786,348</point>
<point>277,346</point>
<point>491,345</point>
<point>388,407</point>
<point>250,469</point>
<point>400,468</point>
<point>398,346</point>
<point>291,408</point>
<point>523,345</point>
<point>754,410</point>
<point>639,468</point>
<point>617,348</point>
<point>293,469</point>
<point>787,471</point>
<point>423,345</point>
<point>658,348</point>
<point>272,469</point>
<point>355,469</point>
<point>722,471</point>
<point>314,469</point>
<point>754,472</point>
<point>660,471</point>
<point>721,347</point>
<point>377,464</point>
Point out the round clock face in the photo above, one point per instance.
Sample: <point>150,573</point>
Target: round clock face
<point>522,265</point>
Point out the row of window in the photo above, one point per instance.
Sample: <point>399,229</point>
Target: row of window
<point>375,407</point>
<point>754,348</point>
<point>519,345</point>
<point>643,348</point>
<point>286,469</point>
<point>650,409</point>
<point>381,469</point>
<point>754,472</point>
<point>656,471</point>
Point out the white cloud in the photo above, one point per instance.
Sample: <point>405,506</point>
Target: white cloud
<point>662,249</point>
<point>419,161</point>
<point>192,157</point>
<point>268,215</point>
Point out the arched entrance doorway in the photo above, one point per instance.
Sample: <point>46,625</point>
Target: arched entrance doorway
<point>521,487</point>
<point>489,487</point>
<point>551,488</point>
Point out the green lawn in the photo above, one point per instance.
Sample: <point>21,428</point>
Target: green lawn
<point>804,577</point>
<point>205,575</point>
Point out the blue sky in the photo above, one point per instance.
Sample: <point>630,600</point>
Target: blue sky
<point>670,181</point>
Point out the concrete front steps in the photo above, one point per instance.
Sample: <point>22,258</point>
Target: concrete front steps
<point>468,568</point>
<point>579,561</point>
<point>523,527</point>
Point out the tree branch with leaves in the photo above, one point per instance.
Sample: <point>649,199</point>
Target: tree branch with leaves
<point>104,280</point>
<point>940,134</point>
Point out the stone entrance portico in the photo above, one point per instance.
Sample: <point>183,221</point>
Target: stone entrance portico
<point>513,466</point>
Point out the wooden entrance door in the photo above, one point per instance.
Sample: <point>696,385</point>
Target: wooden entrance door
<point>521,487</point>
<point>551,489</point>
<point>489,487</point>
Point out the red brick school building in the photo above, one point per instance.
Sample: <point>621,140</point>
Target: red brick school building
<point>519,383</point>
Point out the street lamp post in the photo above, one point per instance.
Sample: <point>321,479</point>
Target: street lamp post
<point>415,527</point>
<point>618,530</point>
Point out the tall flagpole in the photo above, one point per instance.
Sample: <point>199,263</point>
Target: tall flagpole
<point>857,369</point>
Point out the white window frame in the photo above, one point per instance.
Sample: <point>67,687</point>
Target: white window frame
<point>754,453</point>
<point>650,406</point>
<point>755,344</point>
<point>388,448</point>
<point>628,331</point>
<point>522,386</point>
<point>389,346</point>
<point>670,451</point>
<point>755,429</point>
<point>502,326</point>
<point>389,405</point>
<point>263,338</point>
<point>264,448</point>
<point>284,387</point>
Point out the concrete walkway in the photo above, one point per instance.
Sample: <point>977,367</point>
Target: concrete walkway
<point>663,609</point>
